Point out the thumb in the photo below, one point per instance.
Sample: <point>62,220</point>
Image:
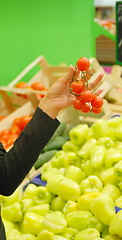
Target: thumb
<point>68,76</point>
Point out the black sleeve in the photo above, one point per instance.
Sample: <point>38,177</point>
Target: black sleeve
<point>17,162</point>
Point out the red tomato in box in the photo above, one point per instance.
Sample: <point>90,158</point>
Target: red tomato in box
<point>24,121</point>
<point>11,139</point>
<point>38,86</point>
<point>15,129</point>
<point>4,132</point>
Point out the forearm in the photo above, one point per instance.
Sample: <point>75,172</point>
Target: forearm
<point>15,164</point>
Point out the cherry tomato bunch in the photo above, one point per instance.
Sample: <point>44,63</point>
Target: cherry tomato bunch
<point>86,100</point>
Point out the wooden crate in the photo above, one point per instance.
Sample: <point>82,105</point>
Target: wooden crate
<point>26,109</point>
<point>47,75</point>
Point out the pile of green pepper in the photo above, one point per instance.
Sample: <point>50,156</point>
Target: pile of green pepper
<point>83,186</point>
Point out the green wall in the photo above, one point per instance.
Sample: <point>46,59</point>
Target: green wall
<point>61,30</point>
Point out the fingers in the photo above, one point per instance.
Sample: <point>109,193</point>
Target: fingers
<point>95,82</point>
<point>98,92</point>
<point>68,76</point>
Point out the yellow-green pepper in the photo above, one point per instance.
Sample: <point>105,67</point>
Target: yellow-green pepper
<point>113,156</point>
<point>70,206</point>
<point>91,184</point>
<point>115,227</point>
<point>88,234</point>
<point>97,156</point>
<point>111,190</point>
<point>78,135</point>
<point>32,223</point>
<point>84,201</point>
<point>45,234</point>
<point>103,208</point>
<point>85,150</point>
<point>13,212</point>
<point>54,222</point>
<point>78,219</point>
<point>57,204</point>
<point>74,173</point>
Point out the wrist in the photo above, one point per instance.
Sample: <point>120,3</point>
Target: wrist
<point>49,107</point>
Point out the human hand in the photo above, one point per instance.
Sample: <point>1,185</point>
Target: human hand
<point>59,96</point>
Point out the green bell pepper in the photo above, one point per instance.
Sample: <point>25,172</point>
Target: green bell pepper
<point>71,158</point>
<point>103,208</point>
<point>57,204</point>
<point>111,190</point>
<point>54,222</point>
<point>27,204</point>
<point>84,201</point>
<point>14,234</point>
<point>13,212</point>
<point>91,184</point>
<point>41,209</point>
<point>112,237</point>
<point>118,132</point>
<point>58,237</point>
<point>78,219</point>
<point>88,234</point>
<point>74,173</point>
<point>70,146</point>
<point>65,188</point>
<point>108,177</point>
<point>85,150</point>
<point>97,156</point>
<point>57,160</point>
<point>118,170</point>
<point>29,191</point>
<point>93,222</point>
<point>28,236</point>
<point>45,234</point>
<point>69,233</point>
<point>70,206</point>
<point>32,223</point>
<point>78,135</point>
<point>113,156</point>
<point>100,129</point>
<point>87,168</point>
<point>107,142</point>
<point>114,122</point>
<point>118,202</point>
<point>42,195</point>
<point>115,227</point>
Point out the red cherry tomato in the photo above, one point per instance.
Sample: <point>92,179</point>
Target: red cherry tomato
<point>77,87</point>
<point>11,139</point>
<point>4,132</point>
<point>78,104</point>
<point>86,108</point>
<point>21,85</point>
<point>17,122</point>
<point>38,86</point>
<point>96,110</point>
<point>97,102</point>
<point>87,96</point>
<point>24,121</point>
<point>83,64</point>
<point>15,129</point>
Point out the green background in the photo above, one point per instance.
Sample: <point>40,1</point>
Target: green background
<point>60,30</point>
